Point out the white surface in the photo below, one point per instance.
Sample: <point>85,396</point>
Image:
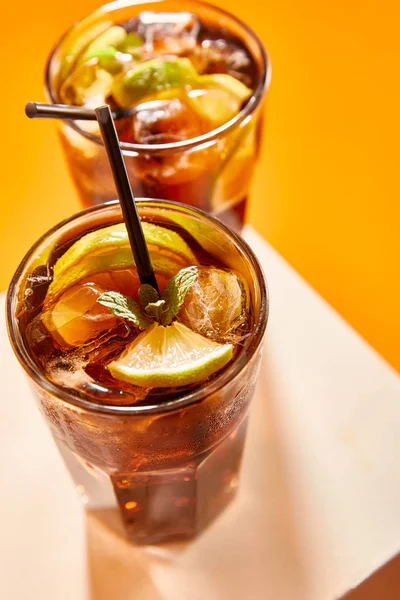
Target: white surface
<point>319,505</point>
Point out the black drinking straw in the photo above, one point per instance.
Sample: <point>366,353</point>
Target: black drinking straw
<point>126,198</point>
<point>40,110</point>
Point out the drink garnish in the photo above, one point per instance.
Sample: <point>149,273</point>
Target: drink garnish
<point>151,77</point>
<point>175,292</point>
<point>131,43</point>
<point>152,307</point>
<point>218,97</point>
<point>227,83</point>
<point>112,38</point>
<point>79,45</point>
<point>108,248</point>
<point>170,356</point>
<point>125,307</point>
<point>167,353</point>
<point>127,69</point>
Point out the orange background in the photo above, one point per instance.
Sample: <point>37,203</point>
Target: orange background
<point>327,193</point>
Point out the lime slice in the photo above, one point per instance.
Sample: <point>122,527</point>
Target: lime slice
<point>213,240</point>
<point>131,43</point>
<point>225,82</point>
<point>108,248</point>
<point>234,178</point>
<point>170,356</point>
<point>153,76</point>
<point>218,97</point>
<point>114,36</point>
<point>87,35</point>
<point>218,106</point>
<point>106,58</point>
<point>87,83</point>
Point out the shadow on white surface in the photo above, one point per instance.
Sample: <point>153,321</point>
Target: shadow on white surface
<point>115,569</point>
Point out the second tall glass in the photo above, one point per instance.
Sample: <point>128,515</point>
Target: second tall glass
<point>211,171</point>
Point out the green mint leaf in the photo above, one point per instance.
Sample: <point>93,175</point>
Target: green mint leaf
<point>125,307</point>
<point>175,293</point>
<point>155,309</point>
<point>147,295</point>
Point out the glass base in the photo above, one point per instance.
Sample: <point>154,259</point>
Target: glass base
<point>163,504</point>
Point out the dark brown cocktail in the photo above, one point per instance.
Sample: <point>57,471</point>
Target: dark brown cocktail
<point>186,81</point>
<point>147,396</point>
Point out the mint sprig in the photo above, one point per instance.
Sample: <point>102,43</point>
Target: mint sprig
<point>125,307</point>
<point>152,307</point>
<point>147,295</point>
<point>175,293</point>
<point>155,309</point>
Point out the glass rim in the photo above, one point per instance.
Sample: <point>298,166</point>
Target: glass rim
<point>206,138</point>
<point>70,397</point>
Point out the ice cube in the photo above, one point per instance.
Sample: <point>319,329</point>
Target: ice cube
<point>183,176</point>
<point>221,56</point>
<point>125,281</point>
<point>164,121</point>
<point>217,305</point>
<point>102,385</point>
<point>40,340</point>
<point>77,317</point>
<point>217,105</point>
<point>83,369</point>
<point>37,284</point>
<point>168,32</point>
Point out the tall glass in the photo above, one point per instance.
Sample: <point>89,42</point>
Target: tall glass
<point>211,172</point>
<point>151,471</point>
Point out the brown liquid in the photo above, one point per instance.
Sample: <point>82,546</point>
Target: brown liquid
<point>186,492</point>
<point>168,475</point>
<point>175,501</point>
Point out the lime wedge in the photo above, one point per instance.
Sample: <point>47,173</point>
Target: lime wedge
<point>225,82</point>
<point>218,97</point>
<point>131,43</point>
<point>86,83</point>
<point>114,36</point>
<point>234,178</point>
<point>218,106</point>
<point>213,240</point>
<point>153,76</point>
<point>105,53</point>
<point>87,35</point>
<point>170,356</point>
<point>108,248</point>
